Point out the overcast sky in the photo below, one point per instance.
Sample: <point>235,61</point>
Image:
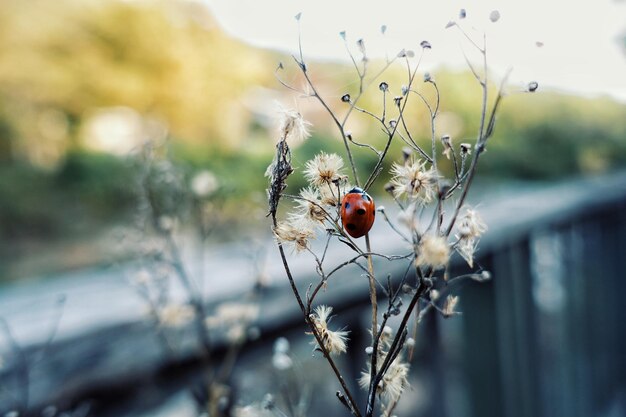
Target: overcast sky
<point>581,51</point>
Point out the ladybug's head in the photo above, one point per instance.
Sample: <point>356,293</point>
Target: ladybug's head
<point>356,190</point>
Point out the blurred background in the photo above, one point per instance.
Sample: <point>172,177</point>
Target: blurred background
<point>133,140</point>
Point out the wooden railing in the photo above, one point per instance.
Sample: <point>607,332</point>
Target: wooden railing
<point>545,337</point>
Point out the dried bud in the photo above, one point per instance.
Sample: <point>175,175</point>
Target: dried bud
<point>447,145</point>
<point>449,306</point>
<point>406,153</point>
<point>494,16</point>
<point>369,350</point>
<point>405,90</point>
<point>392,123</point>
<point>298,16</point>
<point>410,53</point>
<point>389,187</point>
<point>397,100</point>
<point>383,29</point>
<point>466,149</point>
<point>380,209</point>
<point>383,86</point>
<point>427,77</point>
<point>402,54</point>
<point>425,45</point>
<point>533,86</point>
<point>539,44</point>
<point>361,45</point>
<point>268,402</point>
<point>450,24</point>
<point>444,188</point>
<point>281,345</point>
<point>462,14</point>
<point>482,277</point>
<point>345,98</point>
<point>343,34</point>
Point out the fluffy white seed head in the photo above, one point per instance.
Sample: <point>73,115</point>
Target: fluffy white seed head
<point>433,251</point>
<point>471,224</point>
<point>292,127</point>
<point>324,169</point>
<point>296,231</point>
<point>414,181</point>
<point>310,205</point>
<point>335,342</point>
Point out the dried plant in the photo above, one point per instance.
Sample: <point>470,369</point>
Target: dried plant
<point>417,183</point>
<point>172,210</point>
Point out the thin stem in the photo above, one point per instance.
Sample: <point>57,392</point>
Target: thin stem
<point>313,328</point>
<point>335,120</point>
<point>373,295</point>
<point>479,148</point>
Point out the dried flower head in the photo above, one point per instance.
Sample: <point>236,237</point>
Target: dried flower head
<point>414,180</point>
<point>296,231</point>
<point>449,306</point>
<point>494,16</point>
<point>471,225</point>
<point>393,382</point>
<point>433,251</point>
<point>425,45</point>
<point>230,313</point>
<point>282,345</point>
<point>324,169</point>
<point>176,315</point>
<point>310,205</point>
<point>330,194</point>
<point>292,127</point>
<point>334,341</point>
<point>204,183</point>
<point>281,361</point>
<point>532,86</point>
<point>466,248</point>
<point>383,86</point>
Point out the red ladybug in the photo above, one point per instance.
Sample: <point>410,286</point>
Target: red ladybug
<point>357,212</point>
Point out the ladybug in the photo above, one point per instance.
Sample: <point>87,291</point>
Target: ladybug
<point>357,212</point>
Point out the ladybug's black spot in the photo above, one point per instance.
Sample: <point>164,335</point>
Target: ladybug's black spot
<point>350,226</point>
<point>347,205</point>
<point>360,211</point>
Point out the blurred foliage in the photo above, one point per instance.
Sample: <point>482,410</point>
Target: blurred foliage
<point>77,74</point>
